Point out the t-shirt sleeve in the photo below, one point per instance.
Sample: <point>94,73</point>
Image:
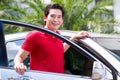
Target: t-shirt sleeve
<point>29,42</point>
<point>58,32</point>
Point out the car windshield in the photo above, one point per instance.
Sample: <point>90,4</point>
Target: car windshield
<point>112,44</point>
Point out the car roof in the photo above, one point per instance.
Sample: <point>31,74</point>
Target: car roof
<point>14,36</point>
<point>92,34</point>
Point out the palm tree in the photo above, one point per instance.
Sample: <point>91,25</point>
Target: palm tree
<point>11,11</point>
<point>79,17</point>
<point>35,14</point>
<point>17,11</point>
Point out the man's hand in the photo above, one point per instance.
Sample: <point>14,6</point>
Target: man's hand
<point>80,35</point>
<point>20,68</point>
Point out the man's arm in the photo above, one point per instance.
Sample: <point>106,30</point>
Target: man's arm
<point>80,35</point>
<point>18,61</point>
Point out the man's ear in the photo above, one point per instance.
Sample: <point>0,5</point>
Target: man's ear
<point>44,17</point>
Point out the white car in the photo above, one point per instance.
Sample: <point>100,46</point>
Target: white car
<point>85,60</point>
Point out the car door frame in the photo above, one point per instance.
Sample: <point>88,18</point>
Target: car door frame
<point>74,45</point>
<point>3,53</point>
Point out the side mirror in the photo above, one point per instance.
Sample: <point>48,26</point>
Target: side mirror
<point>98,72</point>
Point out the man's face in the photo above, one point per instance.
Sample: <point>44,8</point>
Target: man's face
<point>54,19</point>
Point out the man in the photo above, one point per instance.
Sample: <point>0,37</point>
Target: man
<point>46,51</point>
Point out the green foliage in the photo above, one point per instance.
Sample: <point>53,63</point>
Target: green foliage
<point>13,11</point>
<point>78,15</point>
<point>36,17</point>
<point>12,29</point>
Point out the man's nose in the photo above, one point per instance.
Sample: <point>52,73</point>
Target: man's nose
<point>56,19</point>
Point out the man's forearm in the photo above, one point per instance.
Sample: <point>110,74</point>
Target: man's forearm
<point>18,60</point>
<point>67,46</point>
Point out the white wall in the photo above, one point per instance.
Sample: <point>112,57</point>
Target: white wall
<point>117,14</point>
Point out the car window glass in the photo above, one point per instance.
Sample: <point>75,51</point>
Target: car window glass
<point>88,49</point>
<point>77,64</point>
<point>12,49</point>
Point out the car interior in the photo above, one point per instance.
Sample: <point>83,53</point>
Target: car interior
<point>77,64</point>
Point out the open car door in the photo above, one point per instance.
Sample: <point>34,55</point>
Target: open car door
<point>88,51</point>
<point>10,74</point>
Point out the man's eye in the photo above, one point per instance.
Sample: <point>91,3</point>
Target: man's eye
<point>53,16</point>
<point>59,16</point>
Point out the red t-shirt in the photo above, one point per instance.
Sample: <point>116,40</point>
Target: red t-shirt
<point>46,52</point>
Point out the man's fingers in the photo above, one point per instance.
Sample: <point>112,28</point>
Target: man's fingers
<point>82,34</point>
<point>20,68</point>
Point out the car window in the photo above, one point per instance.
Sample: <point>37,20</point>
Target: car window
<point>12,49</point>
<point>76,63</point>
<point>89,64</point>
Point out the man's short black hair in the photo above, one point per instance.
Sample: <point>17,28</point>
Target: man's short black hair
<point>53,6</point>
